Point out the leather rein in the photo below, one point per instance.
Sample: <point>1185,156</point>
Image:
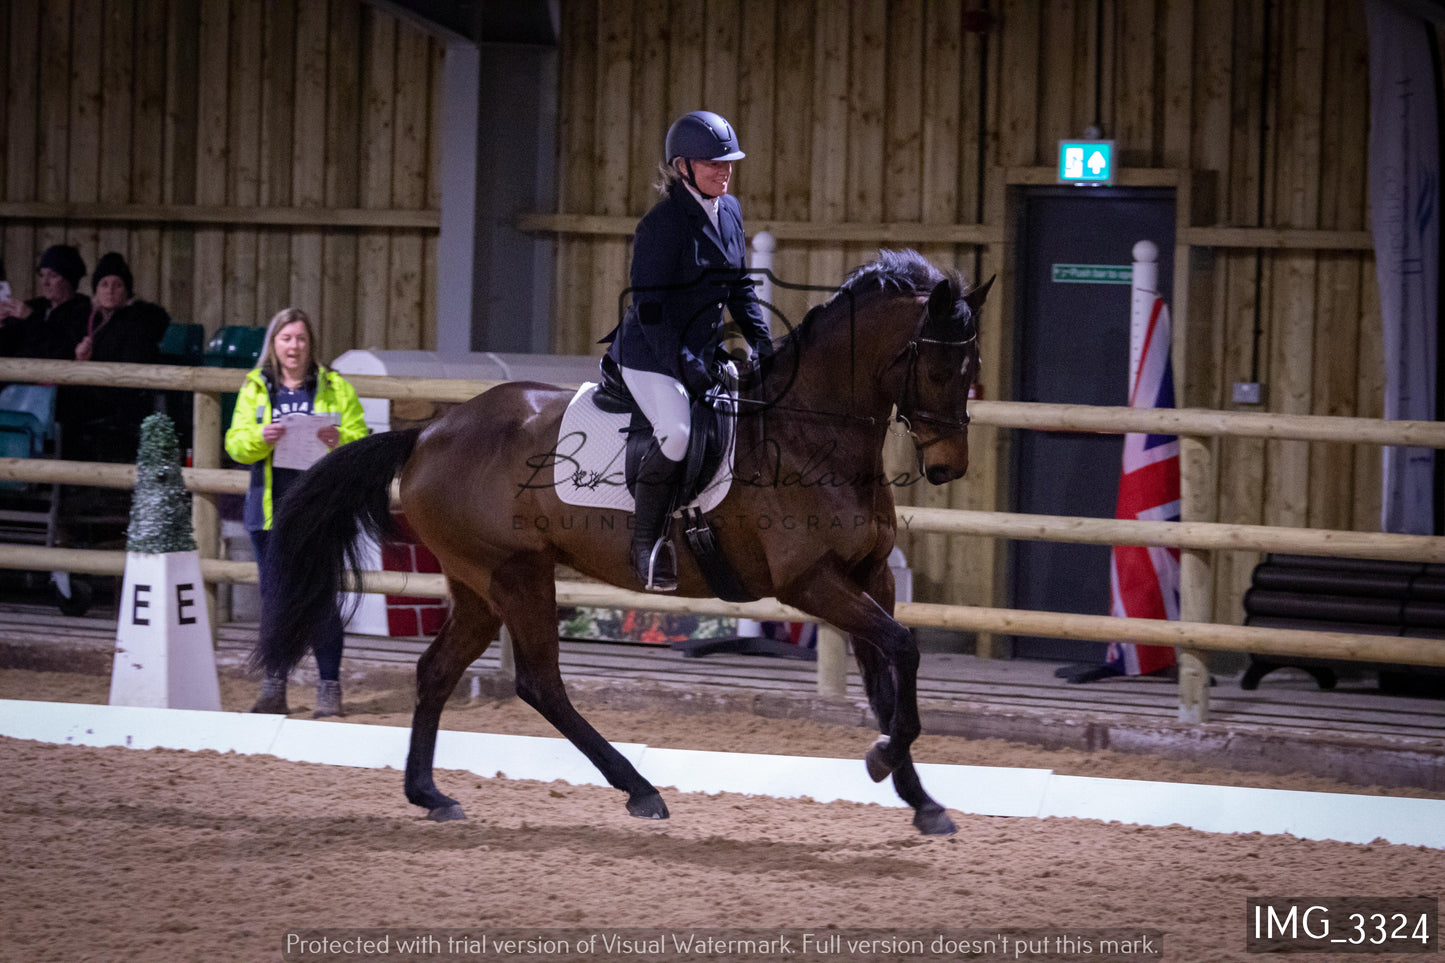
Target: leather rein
<point>909,401</point>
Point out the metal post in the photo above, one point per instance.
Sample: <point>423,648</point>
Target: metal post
<point>832,663</point>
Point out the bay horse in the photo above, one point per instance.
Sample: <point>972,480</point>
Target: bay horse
<point>898,332</point>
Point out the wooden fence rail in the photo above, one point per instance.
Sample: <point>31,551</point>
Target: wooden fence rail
<point>1194,537</point>
<point>942,521</point>
<point>1104,419</point>
<point>1204,536</point>
<point>1198,635</point>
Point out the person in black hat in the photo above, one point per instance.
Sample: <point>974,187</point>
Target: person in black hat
<point>120,326</point>
<point>103,424</point>
<point>38,328</point>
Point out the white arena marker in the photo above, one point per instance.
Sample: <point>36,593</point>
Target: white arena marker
<point>979,790</point>
<point>341,744</point>
<point>68,723</point>
<point>1342,817</point>
<point>164,657</point>
<point>523,757</point>
<point>970,789</point>
<point>824,780</point>
<point>385,747</point>
<point>986,790</point>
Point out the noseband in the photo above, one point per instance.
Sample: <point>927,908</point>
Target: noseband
<point>910,411</point>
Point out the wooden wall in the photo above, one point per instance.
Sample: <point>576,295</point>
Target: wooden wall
<point>249,154</point>
<point>872,123</point>
<point>244,155</point>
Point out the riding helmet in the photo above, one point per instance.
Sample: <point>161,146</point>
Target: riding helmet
<point>702,135</point>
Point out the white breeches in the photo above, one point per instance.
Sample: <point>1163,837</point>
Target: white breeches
<point>665,403</point>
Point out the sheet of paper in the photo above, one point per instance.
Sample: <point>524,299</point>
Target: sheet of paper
<point>299,448</point>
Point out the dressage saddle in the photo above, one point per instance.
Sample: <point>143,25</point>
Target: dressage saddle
<point>712,429</point>
<point>713,422</point>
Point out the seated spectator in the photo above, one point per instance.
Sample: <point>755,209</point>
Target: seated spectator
<point>38,328</point>
<point>100,423</point>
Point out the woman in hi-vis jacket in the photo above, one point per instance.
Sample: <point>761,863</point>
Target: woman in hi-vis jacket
<point>289,380</point>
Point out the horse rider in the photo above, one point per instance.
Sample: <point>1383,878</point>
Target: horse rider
<point>687,264</point>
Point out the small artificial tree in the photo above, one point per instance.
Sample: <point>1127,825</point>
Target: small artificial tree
<point>160,510</point>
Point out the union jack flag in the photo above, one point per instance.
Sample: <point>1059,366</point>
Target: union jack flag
<point>1144,582</point>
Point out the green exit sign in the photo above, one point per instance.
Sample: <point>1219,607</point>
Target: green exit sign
<point>1086,161</point>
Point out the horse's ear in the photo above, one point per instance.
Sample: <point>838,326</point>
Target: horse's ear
<point>940,303</point>
<point>974,298</point>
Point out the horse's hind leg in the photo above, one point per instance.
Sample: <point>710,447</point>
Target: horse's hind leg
<point>929,815</point>
<point>468,631</point>
<point>527,594</point>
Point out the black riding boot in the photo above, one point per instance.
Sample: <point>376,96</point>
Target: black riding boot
<point>653,563</point>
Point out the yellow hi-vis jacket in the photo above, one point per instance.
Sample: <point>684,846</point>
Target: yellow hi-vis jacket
<point>254,411</point>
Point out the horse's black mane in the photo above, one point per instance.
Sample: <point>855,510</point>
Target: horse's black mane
<point>905,271</point>
<point>898,272</point>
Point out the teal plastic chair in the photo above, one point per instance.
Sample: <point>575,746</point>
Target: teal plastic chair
<point>235,346</point>
<point>183,344</point>
<point>27,422</point>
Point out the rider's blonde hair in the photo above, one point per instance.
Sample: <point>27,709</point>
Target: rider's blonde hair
<point>667,175</point>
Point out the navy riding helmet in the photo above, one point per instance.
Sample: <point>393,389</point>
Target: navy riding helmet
<point>702,135</point>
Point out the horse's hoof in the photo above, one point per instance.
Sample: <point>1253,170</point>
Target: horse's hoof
<point>934,822</point>
<point>878,767</point>
<point>446,814</point>
<point>650,806</point>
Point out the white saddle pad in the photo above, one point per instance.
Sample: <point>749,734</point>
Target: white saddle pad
<point>590,460</point>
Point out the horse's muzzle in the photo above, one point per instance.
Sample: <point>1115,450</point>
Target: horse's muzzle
<point>942,474</point>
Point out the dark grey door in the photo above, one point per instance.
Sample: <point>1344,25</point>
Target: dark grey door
<point>1072,347</point>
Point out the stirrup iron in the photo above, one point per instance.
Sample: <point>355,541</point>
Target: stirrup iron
<point>663,546</point>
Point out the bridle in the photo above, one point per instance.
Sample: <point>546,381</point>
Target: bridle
<point>910,410</point>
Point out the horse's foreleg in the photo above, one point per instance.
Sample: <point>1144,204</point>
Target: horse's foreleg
<point>929,815</point>
<point>529,603</point>
<point>465,636</point>
<point>838,599</point>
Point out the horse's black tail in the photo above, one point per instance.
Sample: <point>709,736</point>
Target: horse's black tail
<point>313,541</point>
